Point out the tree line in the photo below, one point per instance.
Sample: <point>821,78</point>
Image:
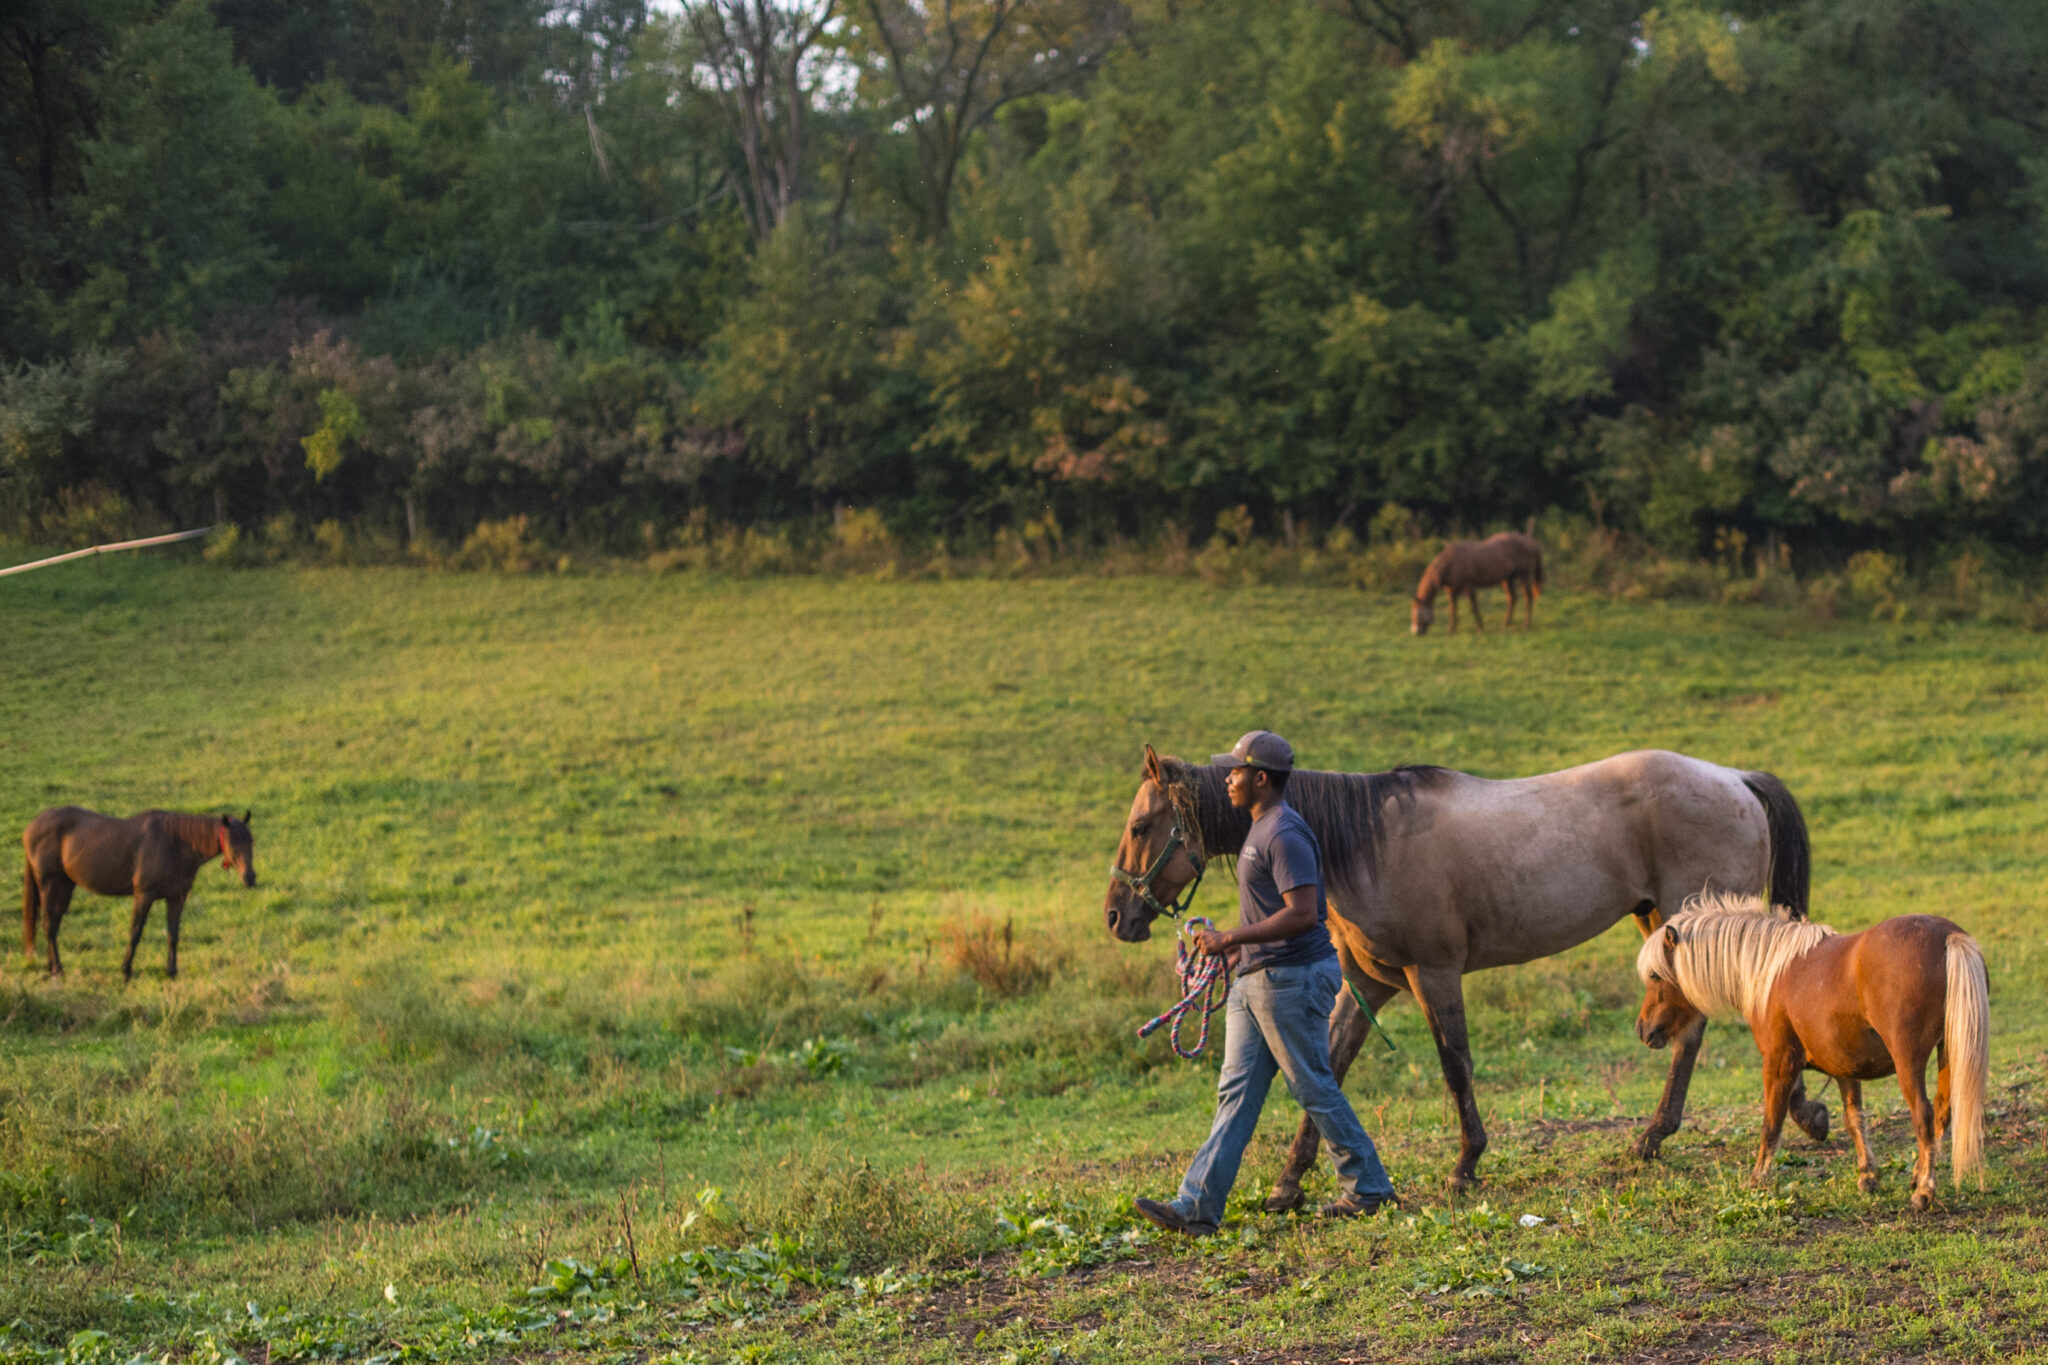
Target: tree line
<point>1687,269</point>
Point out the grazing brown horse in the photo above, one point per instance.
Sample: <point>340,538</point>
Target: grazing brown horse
<point>1853,1006</point>
<point>1432,873</point>
<point>153,856</point>
<point>1469,565</point>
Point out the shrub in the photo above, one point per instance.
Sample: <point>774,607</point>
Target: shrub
<point>503,546</point>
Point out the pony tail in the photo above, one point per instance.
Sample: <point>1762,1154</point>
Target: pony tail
<point>1966,1034</point>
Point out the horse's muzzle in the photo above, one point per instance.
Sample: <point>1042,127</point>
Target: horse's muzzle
<point>1127,921</point>
<point>1651,1034</point>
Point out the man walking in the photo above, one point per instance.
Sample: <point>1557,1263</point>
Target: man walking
<point>1278,1016</point>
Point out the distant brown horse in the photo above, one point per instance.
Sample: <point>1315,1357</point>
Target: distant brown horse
<point>152,856</point>
<point>1852,1006</point>
<point>1468,565</point>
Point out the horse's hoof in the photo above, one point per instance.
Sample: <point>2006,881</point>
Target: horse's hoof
<point>1813,1120</point>
<point>1647,1147</point>
<point>1867,1183</point>
<point>1921,1201</point>
<point>1283,1199</point>
<point>1462,1182</point>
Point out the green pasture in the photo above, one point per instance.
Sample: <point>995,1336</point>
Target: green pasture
<point>665,968</point>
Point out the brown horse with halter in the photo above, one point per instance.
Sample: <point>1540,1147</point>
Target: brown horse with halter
<point>1432,874</point>
<point>1856,1007</point>
<point>152,856</point>
<point>1465,566</point>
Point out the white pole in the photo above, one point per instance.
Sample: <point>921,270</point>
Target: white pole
<point>108,549</point>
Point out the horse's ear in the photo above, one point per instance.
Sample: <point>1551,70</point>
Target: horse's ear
<point>245,816</point>
<point>225,817</point>
<point>1152,766</point>
<point>1670,936</point>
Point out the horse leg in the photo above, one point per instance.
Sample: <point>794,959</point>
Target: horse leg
<point>1852,1119</point>
<point>1810,1115</point>
<point>174,911</point>
<point>1529,617</point>
<point>1941,1096</point>
<point>1349,1029</point>
<point>1509,584</point>
<point>1670,1111</point>
<point>1913,1085</point>
<point>1473,595</point>
<point>31,907</point>
<point>143,900</point>
<point>1781,1068</point>
<point>56,900</point>
<point>1454,611</point>
<point>1441,993</point>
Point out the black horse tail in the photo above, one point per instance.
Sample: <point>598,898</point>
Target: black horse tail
<point>31,904</point>
<point>1791,857</point>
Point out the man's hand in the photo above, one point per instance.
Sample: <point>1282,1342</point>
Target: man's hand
<point>1213,942</point>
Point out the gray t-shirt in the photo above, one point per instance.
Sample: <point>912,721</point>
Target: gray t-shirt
<point>1281,853</point>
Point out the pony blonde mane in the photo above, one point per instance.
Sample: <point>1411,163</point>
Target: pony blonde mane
<point>1730,951</point>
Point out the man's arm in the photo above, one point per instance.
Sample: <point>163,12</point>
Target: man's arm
<point>1297,916</point>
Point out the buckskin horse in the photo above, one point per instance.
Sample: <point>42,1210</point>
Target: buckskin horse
<point>1857,1007</point>
<point>1465,566</point>
<point>1432,874</point>
<point>152,856</point>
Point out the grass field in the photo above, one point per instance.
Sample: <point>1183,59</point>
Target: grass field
<point>659,968</point>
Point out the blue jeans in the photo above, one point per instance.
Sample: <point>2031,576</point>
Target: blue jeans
<point>1279,1020</point>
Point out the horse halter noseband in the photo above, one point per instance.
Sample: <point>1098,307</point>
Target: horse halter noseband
<point>1142,886</point>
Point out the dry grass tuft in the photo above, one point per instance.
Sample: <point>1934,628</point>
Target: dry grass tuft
<point>993,957</point>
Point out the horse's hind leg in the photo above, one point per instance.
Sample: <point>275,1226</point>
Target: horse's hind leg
<point>1810,1115</point>
<point>31,908</point>
<point>143,900</point>
<point>1441,993</point>
<point>1349,1029</point>
<point>1941,1096</point>
<point>1913,1085</point>
<point>56,900</point>
<point>1509,584</point>
<point>174,911</point>
<point>1852,1119</point>
<point>1472,596</point>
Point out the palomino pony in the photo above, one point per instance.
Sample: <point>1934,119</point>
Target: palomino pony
<point>1469,565</point>
<point>153,856</point>
<point>1852,1006</point>
<point>1431,874</point>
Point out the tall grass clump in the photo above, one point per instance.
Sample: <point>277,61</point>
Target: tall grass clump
<point>147,1143</point>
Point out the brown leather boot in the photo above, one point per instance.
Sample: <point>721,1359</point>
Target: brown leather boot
<point>1168,1217</point>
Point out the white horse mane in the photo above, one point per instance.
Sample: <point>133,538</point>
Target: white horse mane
<point>1730,951</point>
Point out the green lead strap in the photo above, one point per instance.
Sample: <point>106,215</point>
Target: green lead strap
<point>1371,1019</point>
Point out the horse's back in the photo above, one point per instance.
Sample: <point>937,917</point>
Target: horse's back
<point>56,824</point>
<point>1537,864</point>
<point>1906,952</point>
<point>96,851</point>
<point>1886,982</point>
<point>1482,563</point>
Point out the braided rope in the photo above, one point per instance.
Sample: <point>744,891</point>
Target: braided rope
<point>1200,977</point>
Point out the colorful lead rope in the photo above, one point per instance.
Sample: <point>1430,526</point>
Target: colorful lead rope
<point>1205,983</point>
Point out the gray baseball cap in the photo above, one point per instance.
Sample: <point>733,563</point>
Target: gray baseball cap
<point>1259,749</point>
